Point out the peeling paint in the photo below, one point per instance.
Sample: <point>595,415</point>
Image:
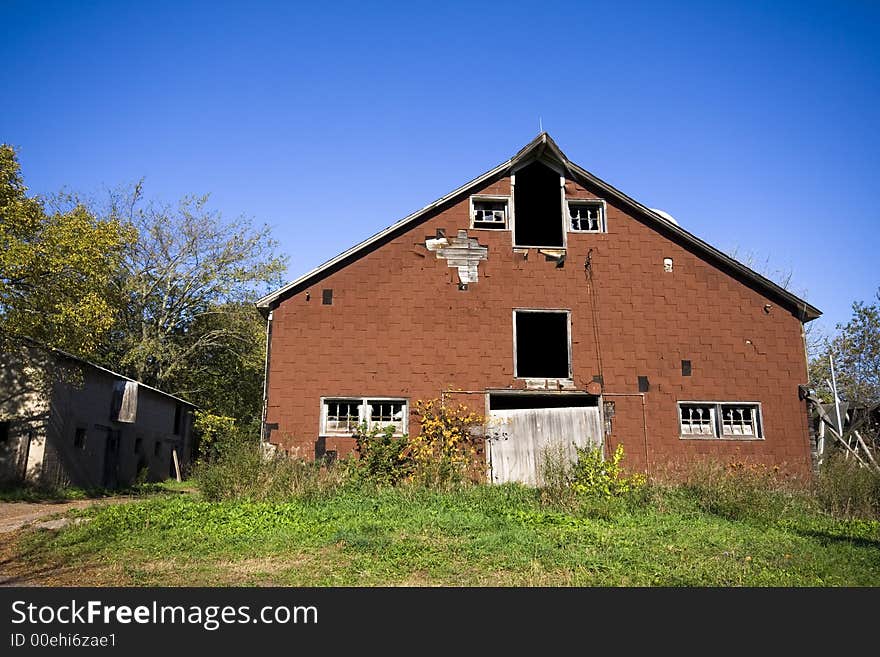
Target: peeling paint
<point>461,252</point>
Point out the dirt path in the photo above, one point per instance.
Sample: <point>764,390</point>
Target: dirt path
<point>15,515</point>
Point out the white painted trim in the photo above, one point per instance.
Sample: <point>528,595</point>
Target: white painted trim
<point>363,409</point>
<point>717,423</point>
<point>489,197</point>
<point>586,201</point>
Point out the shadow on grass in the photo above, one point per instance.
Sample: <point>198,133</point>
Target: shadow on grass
<point>827,537</point>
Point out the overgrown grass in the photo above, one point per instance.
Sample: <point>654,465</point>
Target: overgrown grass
<point>18,492</point>
<point>476,536</point>
<point>288,523</point>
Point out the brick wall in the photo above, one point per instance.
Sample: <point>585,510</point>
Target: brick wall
<point>400,327</point>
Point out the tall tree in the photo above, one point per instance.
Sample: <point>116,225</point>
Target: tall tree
<point>856,352</point>
<point>189,282</point>
<point>57,268</point>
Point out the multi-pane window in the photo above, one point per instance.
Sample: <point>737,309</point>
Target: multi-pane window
<point>489,212</point>
<point>343,416</point>
<point>739,420</point>
<point>720,420</point>
<point>586,216</point>
<point>697,419</point>
<point>384,413</point>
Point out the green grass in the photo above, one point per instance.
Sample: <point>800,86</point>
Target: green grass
<point>31,493</point>
<point>482,535</point>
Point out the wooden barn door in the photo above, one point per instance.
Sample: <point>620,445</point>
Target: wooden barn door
<point>518,438</point>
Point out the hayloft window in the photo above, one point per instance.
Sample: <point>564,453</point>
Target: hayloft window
<point>542,344</point>
<point>586,216</point>
<point>79,438</point>
<point>731,420</point>
<point>342,417</point>
<point>537,203</point>
<point>489,212</point>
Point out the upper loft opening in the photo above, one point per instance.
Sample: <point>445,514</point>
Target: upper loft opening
<point>537,202</point>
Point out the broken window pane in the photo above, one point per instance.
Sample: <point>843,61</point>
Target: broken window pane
<point>490,213</point>
<point>697,419</point>
<point>586,216</point>
<point>384,413</point>
<point>542,344</point>
<point>738,420</point>
<point>538,207</point>
<point>343,416</point>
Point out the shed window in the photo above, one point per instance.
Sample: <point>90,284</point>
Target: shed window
<point>542,344</point>
<point>79,438</point>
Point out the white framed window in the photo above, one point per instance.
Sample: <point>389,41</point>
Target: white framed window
<point>586,216</point>
<point>697,419</point>
<point>726,420</point>
<point>490,212</point>
<point>343,416</point>
<point>541,343</point>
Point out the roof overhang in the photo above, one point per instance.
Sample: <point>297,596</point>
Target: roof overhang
<point>543,147</point>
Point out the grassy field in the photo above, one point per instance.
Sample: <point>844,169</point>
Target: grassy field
<point>478,536</point>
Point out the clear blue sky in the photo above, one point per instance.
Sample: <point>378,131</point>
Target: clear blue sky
<point>754,124</point>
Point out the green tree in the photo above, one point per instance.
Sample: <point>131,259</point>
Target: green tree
<point>57,268</point>
<point>188,324</point>
<point>856,352</point>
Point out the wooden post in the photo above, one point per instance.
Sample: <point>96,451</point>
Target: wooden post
<point>176,463</point>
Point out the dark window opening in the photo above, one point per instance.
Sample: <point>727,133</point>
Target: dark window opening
<point>538,207</point>
<point>327,297</point>
<point>685,368</point>
<point>4,432</point>
<point>157,448</point>
<point>542,345</point>
<point>644,386</point>
<point>79,438</point>
<point>138,445</point>
<point>178,413</point>
<point>513,402</point>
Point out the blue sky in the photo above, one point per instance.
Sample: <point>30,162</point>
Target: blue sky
<point>754,124</point>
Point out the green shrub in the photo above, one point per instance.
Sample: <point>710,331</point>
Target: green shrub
<point>242,471</point>
<point>382,456</point>
<point>556,476</point>
<point>594,475</point>
<point>740,491</point>
<point>845,489</point>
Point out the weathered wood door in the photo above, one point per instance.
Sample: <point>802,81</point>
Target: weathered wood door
<point>517,439</point>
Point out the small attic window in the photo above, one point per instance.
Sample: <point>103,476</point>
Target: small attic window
<point>586,216</point>
<point>489,212</point>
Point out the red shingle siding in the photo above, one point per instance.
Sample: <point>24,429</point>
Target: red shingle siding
<point>400,327</point>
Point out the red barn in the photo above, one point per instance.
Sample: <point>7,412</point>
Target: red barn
<point>555,304</point>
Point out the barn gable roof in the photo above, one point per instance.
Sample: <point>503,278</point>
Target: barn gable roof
<point>545,148</point>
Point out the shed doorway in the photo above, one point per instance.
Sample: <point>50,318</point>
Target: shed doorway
<point>523,427</point>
